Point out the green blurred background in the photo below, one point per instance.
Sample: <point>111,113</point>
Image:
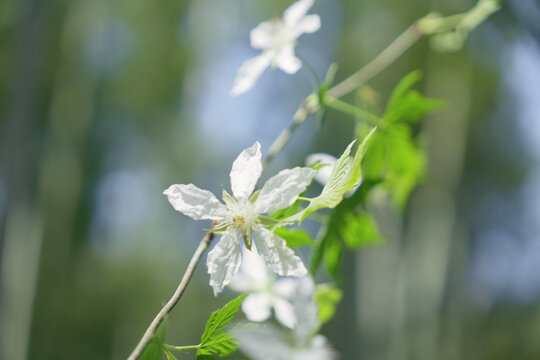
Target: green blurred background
<point>105,103</point>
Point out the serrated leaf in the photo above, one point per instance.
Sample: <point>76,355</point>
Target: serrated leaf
<point>220,318</point>
<point>359,230</point>
<point>408,105</point>
<point>222,344</point>
<point>345,175</point>
<point>327,297</point>
<point>295,237</point>
<point>404,84</point>
<point>395,158</point>
<point>154,347</point>
<point>204,355</point>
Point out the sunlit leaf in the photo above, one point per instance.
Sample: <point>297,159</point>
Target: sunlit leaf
<point>214,339</point>
<point>295,237</point>
<point>222,344</point>
<point>204,355</point>
<point>327,297</point>
<point>408,105</point>
<point>359,230</point>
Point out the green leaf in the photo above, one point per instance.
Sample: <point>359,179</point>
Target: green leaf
<point>287,212</point>
<point>395,157</point>
<point>345,175</point>
<point>154,347</point>
<point>295,237</point>
<point>221,317</point>
<point>408,105</point>
<point>327,297</point>
<point>169,355</point>
<point>204,355</point>
<point>359,230</point>
<point>333,258</point>
<point>330,247</point>
<point>213,339</point>
<point>222,344</point>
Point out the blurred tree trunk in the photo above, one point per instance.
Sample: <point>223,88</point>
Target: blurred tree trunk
<point>21,230</point>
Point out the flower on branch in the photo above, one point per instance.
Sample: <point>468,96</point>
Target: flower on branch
<point>268,342</point>
<point>276,38</point>
<point>265,292</point>
<point>240,216</point>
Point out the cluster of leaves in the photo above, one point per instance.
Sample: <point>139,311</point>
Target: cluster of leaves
<point>394,157</point>
<point>390,157</point>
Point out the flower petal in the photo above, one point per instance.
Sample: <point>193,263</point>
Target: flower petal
<point>263,342</point>
<point>263,35</point>
<point>277,255</point>
<point>250,71</point>
<point>257,306</point>
<point>246,170</point>
<point>286,60</point>
<point>308,24</point>
<point>283,189</point>
<point>296,12</point>
<point>285,287</point>
<point>194,202</point>
<point>223,261</point>
<point>285,312</point>
<point>319,349</point>
<point>253,274</point>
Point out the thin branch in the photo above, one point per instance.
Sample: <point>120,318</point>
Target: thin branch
<point>390,54</point>
<point>205,242</point>
<point>393,51</point>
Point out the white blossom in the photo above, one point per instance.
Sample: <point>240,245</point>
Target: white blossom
<point>265,291</point>
<point>239,217</point>
<point>323,174</point>
<point>276,38</point>
<point>268,342</point>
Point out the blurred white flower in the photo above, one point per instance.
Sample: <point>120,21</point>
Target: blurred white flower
<point>240,216</point>
<point>265,292</point>
<point>277,39</point>
<point>268,342</point>
<point>323,174</point>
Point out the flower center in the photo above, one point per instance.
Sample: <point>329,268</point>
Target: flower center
<point>279,35</point>
<point>244,217</point>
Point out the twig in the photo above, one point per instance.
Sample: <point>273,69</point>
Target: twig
<point>205,242</point>
<point>393,51</point>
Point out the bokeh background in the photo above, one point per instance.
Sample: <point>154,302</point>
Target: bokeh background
<point>105,103</point>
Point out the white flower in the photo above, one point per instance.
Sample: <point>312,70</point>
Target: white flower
<point>323,174</point>
<point>240,216</point>
<point>265,292</point>
<point>268,342</point>
<point>276,38</point>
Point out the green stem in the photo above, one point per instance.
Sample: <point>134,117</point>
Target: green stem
<point>352,110</point>
<point>182,348</point>
<point>393,51</point>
